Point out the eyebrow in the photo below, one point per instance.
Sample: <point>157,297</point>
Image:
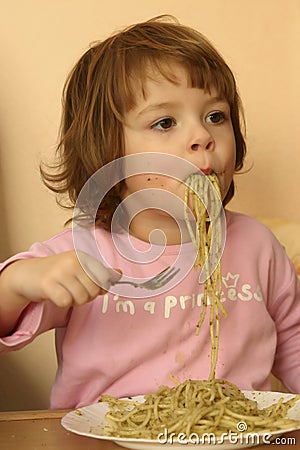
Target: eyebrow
<point>155,107</point>
<point>166,105</point>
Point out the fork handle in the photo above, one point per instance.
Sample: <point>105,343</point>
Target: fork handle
<point>113,283</point>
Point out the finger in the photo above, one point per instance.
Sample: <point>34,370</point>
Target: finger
<point>98,274</point>
<point>57,294</point>
<point>115,275</point>
<point>79,291</point>
<point>111,276</point>
<point>92,289</point>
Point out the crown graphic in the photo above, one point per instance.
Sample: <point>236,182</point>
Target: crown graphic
<point>230,280</point>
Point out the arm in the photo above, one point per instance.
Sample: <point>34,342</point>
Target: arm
<point>59,278</point>
<point>287,321</point>
<point>285,310</point>
<point>11,303</point>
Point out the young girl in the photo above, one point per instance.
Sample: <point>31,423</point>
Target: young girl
<point>157,88</point>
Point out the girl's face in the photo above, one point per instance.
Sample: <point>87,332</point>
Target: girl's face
<point>182,121</point>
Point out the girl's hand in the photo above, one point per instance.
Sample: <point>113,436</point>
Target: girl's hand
<point>61,279</point>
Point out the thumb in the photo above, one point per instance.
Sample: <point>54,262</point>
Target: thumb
<point>115,275</point>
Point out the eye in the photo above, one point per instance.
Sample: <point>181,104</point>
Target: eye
<point>215,117</point>
<point>164,124</point>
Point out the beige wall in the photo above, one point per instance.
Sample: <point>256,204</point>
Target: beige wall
<point>40,41</point>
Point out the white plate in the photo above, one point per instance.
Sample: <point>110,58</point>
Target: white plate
<point>89,421</point>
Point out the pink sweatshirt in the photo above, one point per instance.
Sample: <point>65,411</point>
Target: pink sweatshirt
<point>126,346</point>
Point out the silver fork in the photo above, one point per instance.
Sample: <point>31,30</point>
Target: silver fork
<point>156,282</point>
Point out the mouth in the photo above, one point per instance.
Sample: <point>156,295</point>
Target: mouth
<point>207,171</point>
<point>203,187</point>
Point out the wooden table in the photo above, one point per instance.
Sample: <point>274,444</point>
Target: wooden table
<point>41,430</point>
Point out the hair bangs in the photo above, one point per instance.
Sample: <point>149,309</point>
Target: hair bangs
<point>138,66</point>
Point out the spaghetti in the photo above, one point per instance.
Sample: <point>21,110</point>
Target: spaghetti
<point>207,235</point>
<point>195,406</point>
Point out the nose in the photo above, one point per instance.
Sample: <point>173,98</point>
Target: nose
<point>202,140</point>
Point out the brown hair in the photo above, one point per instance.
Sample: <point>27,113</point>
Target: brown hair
<point>101,88</point>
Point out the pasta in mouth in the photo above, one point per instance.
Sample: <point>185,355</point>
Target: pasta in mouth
<point>198,406</point>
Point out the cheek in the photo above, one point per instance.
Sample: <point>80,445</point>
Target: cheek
<point>152,181</point>
<point>136,142</point>
<point>230,167</point>
<point>226,175</point>
<point>143,181</point>
<point>230,159</point>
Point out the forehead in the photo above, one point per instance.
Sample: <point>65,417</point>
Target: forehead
<point>152,75</point>
<point>173,74</point>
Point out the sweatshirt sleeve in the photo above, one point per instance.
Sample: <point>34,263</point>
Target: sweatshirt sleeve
<point>284,307</point>
<point>36,317</point>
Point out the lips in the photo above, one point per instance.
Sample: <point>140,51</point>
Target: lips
<point>207,171</point>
